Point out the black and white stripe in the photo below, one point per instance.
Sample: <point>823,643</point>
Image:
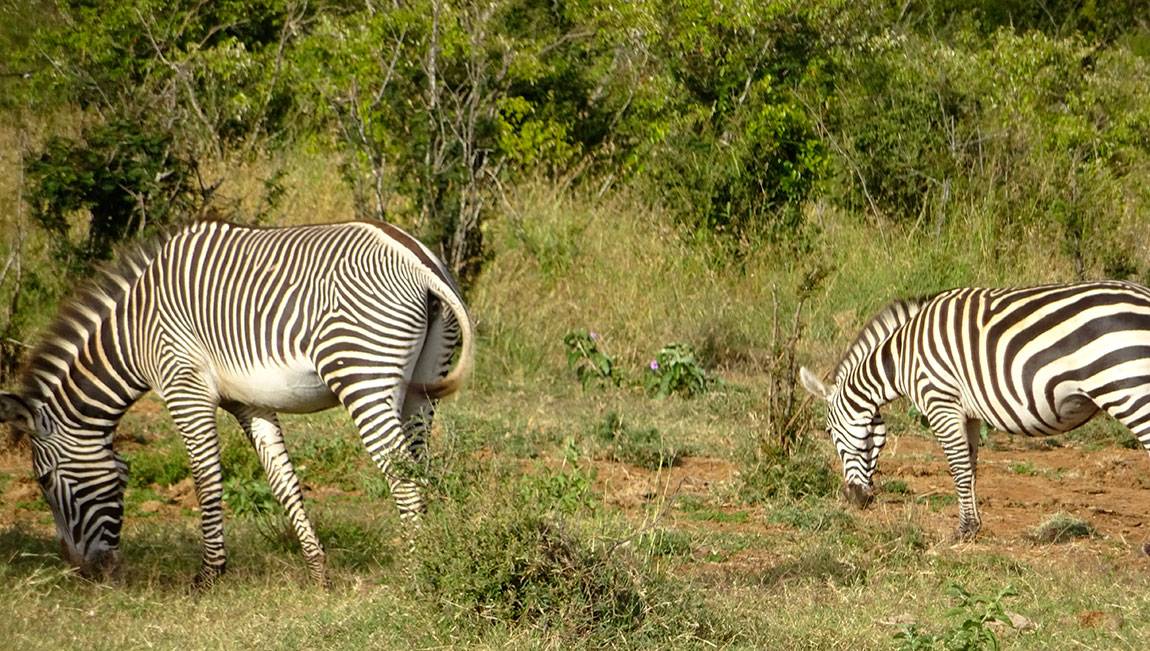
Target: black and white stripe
<point>1035,361</point>
<point>256,321</point>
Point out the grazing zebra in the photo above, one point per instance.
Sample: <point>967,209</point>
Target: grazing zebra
<point>1034,361</point>
<point>256,321</point>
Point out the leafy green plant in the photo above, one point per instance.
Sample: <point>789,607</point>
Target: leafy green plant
<point>126,175</point>
<point>675,369</point>
<point>971,633</point>
<point>249,497</point>
<point>159,464</point>
<point>591,365</point>
<point>643,447</point>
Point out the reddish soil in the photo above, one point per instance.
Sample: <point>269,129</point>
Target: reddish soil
<point>1021,483</point>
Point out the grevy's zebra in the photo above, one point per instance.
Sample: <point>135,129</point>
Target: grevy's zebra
<point>256,321</point>
<point>1035,361</point>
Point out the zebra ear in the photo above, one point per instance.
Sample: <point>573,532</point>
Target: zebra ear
<point>814,385</point>
<point>16,412</point>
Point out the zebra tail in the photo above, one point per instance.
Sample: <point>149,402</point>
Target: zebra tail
<point>454,379</point>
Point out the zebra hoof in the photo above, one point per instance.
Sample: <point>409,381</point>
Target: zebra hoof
<point>207,577</point>
<point>965,534</point>
<point>860,496</point>
<point>1146,548</point>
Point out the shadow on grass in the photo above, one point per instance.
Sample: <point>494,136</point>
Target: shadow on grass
<point>25,552</point>
<point>816,566</point>
<point>819,566</point>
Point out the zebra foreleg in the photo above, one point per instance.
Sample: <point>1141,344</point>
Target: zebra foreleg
<point>266,436</point>
<point>953,432</point>
<point>196,420</point>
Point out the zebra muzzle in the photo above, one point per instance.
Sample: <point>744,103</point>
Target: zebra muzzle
<point>102,565</point>
<point>859,495</point>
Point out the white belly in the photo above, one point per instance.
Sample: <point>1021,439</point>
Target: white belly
<point>293,387</point>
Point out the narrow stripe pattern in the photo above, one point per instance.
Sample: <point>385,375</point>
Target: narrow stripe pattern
<point>256,321</point>
<point>1033,361</point>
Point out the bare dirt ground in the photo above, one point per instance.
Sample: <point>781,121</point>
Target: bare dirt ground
<point>1021,483</point>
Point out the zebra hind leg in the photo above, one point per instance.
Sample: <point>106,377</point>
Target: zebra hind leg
<point>263,430</point>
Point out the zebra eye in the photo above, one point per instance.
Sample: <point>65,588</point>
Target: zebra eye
<point>44,480</point>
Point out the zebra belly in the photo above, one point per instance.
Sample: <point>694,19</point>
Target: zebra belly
<point>292,388</point>
<point>1037,419</point>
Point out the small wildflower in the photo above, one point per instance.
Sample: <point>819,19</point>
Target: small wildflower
<point>654,365</point>
<point>594,336</point>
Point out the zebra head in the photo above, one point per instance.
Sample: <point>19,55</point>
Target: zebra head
<point>858,432</point>
<point>82,482</point>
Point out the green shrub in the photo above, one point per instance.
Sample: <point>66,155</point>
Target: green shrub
<point>565,491</point>
<point>971,632</point>
<point>773,473</point>
<point>507,563</point>
<point>810,515</point>
<point>126,175</point>
<point>249,497</point>
<point>157,464</point>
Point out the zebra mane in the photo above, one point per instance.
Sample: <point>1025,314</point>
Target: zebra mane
<point>82,313</point>
<point>878,329</point>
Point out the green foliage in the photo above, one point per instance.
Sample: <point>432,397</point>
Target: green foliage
<point>644,447</point>
<point>772,473</point>
<point>675,369</point>
<point>508,553</point>
<point>157,464</point>
<point>518,566</point>
<point>569,489</point>
<point>895,487</point>
<point>249,497</point>
<point>971,633</point>
<point>591,365</point>
<point>811,515</point>
<point>125,175</point>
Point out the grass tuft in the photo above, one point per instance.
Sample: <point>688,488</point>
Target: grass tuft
<point>1060,528</point>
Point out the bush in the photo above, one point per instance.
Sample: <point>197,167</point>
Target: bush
<point>774,473</point>
<point>591,365</point>
<point>128,178</point>
<point>158,464</point>
<point>507,563</point>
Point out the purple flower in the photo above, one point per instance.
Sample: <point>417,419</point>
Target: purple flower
<point>594,336</point>
<point>654,365</point>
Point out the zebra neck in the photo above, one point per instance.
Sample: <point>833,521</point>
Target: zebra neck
<point>83,379</point>
<point>878,375</point>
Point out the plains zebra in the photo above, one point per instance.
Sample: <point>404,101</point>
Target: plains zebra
<point>1034,361</point>
<point>256,321</point>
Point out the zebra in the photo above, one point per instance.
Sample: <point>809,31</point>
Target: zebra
<point>1035,361</point>
<point>255,321</point>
